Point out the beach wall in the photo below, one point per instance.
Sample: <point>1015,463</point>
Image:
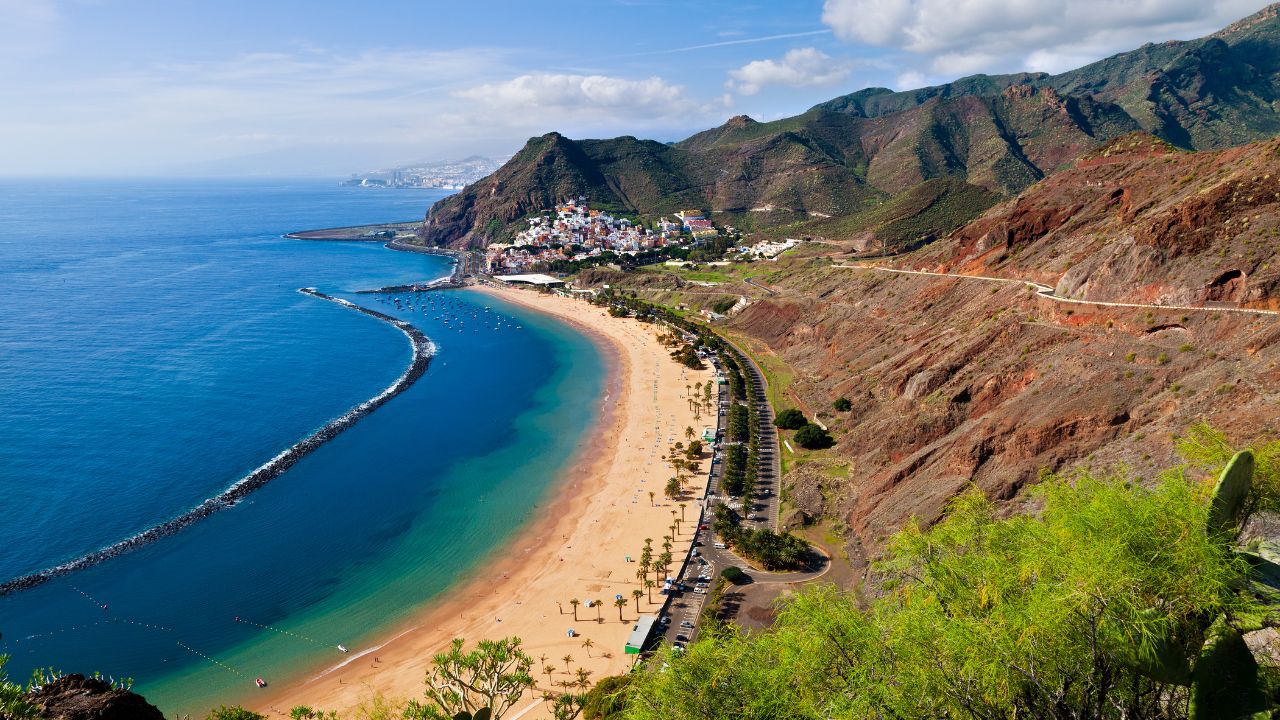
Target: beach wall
<point>423,350</point>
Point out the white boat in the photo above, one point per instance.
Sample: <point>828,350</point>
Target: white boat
<point>342,648</point>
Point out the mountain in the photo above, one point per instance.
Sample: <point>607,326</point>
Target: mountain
<point>853,154</point>
<point>959,382</point>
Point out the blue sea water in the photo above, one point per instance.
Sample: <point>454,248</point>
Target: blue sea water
<point>153,350</point>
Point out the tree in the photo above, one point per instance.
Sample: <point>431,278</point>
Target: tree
<point>567,660</point>
<point>636,595</point>
<point>1095,608</point>
<point>813,437</point>
<point>790,419</point>
<point>575,602</point>
<point>842,404</point>
<point>652,494</point>
<point>586,645</point>
<point>599,607</point>
<point>688,432</point>
<point>548,669</point>
<point>607,699</point>
<point>233,712</point>
<point>620,603</point>
<point>494,675</point>
<point>648,586</point>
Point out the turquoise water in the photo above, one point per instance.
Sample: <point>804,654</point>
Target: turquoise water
<point>154,349</point>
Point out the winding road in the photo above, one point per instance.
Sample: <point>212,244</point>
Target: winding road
<point>1047,292</point>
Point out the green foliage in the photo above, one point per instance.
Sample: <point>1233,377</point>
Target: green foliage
<point>813,437</point>
<point>842,404</point>
<point>607,699</point>
<point>12,703</point>
<point>790,419</point>
<point>493,676</point>
<point>1208,450</point>
<point>734,575</point>
<point>233,712</point>
<point>986,617</point>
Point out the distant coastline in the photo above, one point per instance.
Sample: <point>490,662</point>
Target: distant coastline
<point>378,232</point>
<point>423,350</point>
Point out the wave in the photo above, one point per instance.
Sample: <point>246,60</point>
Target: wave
<point>423,351</point>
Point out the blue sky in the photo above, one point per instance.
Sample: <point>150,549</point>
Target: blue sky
<point>293,87</point>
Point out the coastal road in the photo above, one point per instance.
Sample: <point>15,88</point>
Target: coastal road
<point>1049,293</point>
<point>770,471</point>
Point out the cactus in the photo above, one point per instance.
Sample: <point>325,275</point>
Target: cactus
<point>1225,681</point>
<point>1227,503</point>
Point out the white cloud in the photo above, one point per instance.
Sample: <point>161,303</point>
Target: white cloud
<point>956,37</point>
<point>801,67</point>
<point>560,100</point>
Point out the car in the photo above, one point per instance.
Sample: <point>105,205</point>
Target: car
<point>682,638</point>
<point>721,546</point>
<point>686,624</point>
<point>664,620</point>
<point>695,552</point>
<point>679,647</point>
<point>699,591</point>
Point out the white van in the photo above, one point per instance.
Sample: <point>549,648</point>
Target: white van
<point>721,546</point>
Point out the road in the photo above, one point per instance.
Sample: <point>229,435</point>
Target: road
<point>1047,292</point>
<point>685,607</point>
<point>753,283</point>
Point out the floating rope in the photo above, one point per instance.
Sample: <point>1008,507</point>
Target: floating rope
<point>282,631</point>
<point>219,663</point>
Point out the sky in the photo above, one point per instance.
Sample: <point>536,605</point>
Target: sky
<point>319,87</point>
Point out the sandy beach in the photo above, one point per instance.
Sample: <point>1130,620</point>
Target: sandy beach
<point>577,547</point>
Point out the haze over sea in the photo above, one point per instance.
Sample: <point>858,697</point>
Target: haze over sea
<point>154,349</point>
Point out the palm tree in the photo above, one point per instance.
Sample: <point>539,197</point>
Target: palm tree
<point>620,603</point>
<point>587,645</point>
<point>575,603</point>
<point>651,494</point>
<point>599,607</point>
<point>688,432</point>
<point>636,595</point>
<point>643,573</point>
<point>583,674</point>
<point>548,669</point>
<point>648,585</point>
<point>682,507</point>
<point>567,659</point>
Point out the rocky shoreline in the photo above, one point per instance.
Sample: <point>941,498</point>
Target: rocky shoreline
<point>423,350</point>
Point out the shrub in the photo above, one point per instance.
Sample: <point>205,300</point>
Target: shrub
<point>235,712</point>
<point>734,575</point>
<point>842,404</point>
<point>813,437</point>
<point>790,419</point>
<point>607,699</point>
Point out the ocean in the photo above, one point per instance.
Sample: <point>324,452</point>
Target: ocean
<point>154,349</point>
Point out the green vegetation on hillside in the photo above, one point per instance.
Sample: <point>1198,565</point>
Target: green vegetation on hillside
<point>1096,607</point>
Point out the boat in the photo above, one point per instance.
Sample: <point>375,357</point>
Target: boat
<point>342,648</point>
<point>260,683</point>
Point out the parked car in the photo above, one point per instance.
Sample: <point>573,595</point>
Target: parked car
<point>686,624</point>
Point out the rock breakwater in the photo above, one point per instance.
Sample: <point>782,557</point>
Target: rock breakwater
<point>423,350</point>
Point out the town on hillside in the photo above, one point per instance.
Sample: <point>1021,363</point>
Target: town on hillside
<point>574,232</point>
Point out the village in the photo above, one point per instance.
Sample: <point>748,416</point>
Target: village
<point>575,232</point>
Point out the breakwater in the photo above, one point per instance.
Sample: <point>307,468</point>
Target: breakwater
<point>423,350</point>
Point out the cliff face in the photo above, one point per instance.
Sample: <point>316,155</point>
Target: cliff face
<point>75,697</point>
<point>1137,221</point>
<point>847,156</point>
